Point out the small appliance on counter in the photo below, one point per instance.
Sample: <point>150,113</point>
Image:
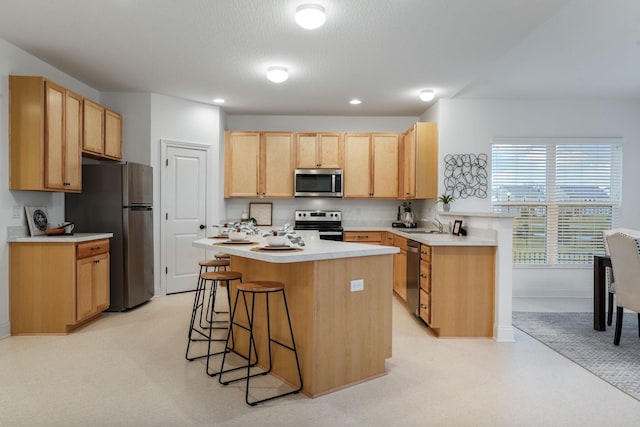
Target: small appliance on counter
<point>405,217</point>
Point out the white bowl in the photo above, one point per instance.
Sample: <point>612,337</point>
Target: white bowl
<point>237,235</point>
<point>276,240</point>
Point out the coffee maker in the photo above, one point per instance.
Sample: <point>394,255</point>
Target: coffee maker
<point>405,218</point>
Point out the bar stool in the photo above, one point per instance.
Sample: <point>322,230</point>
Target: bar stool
<point>222,278</point>
<point>221,255</point>
<point>198,305</point>
<point>253,288</point>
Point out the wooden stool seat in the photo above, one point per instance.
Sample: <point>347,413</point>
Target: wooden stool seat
<point>261,286</point>
<point>214,263</point>
<point>221,275</point>
<point>221,255</point>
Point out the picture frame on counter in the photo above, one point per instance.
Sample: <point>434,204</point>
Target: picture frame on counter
<point>37,220</point>
<point>261,212</point>
<point>457,227</point>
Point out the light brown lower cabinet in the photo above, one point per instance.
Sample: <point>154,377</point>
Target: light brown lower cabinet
<point>56,287</point>
<point>370,237</point>
<point>457,286</point>
<point>400,267</point>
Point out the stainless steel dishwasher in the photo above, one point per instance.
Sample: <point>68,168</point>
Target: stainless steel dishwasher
<point>413,276</point>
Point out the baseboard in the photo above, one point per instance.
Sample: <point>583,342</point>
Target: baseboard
<point>5,330</point>
<point>503,334</point>
<point>553,303</point>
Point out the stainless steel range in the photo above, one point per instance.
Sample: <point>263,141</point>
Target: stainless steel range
<point>328,223</point>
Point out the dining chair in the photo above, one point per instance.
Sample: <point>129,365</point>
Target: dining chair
<point>624,249</point>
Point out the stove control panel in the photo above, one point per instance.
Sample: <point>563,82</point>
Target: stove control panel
<point>318,215</point>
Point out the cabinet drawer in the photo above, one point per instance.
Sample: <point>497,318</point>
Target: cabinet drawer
<point>425,253</point>
<point>425,276</point>
<point>363,236</point>
<point>425,306</point>
<point>91,248</point>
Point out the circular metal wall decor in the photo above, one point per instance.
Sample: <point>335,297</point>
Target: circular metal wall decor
<point>465,175</point>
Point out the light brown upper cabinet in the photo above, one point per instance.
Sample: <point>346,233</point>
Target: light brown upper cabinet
<point>371,165</point>
<point>102,137</point>
<point>93,137</point>
<point>319,150</point>
<point>45,133</point>
<point>420,166</point>
<point>112,135</point>
<point>259,164</point>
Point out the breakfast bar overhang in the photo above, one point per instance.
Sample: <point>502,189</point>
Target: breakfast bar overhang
<point>343,334</point>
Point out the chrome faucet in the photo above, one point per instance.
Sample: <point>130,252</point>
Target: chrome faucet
<point>438,224</point>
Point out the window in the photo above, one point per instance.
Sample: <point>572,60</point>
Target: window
<point>563,194</point>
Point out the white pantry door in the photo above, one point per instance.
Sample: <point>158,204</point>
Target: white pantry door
<point>184,214</point>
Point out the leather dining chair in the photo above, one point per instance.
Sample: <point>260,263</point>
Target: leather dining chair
<point>624,249</point>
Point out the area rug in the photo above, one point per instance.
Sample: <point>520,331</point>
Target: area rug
<point>572,335</point>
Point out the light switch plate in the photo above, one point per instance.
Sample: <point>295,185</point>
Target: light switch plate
<point>17,212</point>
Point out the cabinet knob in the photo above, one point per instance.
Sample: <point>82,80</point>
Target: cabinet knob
<point>423,306</point>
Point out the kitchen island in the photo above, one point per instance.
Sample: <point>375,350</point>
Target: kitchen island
<point>339,296</point>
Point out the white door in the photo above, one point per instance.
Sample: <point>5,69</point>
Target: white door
<point>184,215</point>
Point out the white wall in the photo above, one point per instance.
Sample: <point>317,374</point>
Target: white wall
<point>185,121</point>
<point>18,62</point>
<point>466,126</point>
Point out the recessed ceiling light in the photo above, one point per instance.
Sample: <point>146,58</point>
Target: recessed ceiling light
<point>427,95</point>
<point>277,74</point>
<point>310,16</point>
<point>355,102</point>
<point>219,100</point>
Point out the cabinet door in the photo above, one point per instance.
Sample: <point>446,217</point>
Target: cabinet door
<point>54,136</point>
<point>85,300</point>
<point>100,280</point>
<point>306,151</point>
<point>242,160</point>
<point>357,166</point>
<point>277,165</point>
<point>73,141</point>
<point>93,137</point>
<point>113,135</point>
<point>426,161</point>
<point>409,165</point>
<point>400,273</point>
<point>330,150</point>
<point>385,165</point>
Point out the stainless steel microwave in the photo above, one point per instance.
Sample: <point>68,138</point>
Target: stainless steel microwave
<point>318,183</point>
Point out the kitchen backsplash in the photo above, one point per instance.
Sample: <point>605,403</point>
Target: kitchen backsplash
<point>355,213</point>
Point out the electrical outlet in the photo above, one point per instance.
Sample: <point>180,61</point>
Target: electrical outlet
<point>17,212</point>
<point>357,285</point>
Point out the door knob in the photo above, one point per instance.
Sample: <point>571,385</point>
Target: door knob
<point>202,227</point>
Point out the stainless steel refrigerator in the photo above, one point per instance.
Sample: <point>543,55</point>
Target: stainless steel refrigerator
<point>118,198</point>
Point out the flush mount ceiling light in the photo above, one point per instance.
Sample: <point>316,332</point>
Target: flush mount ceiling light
<point>219,100</point>
<point>277,74</point>
<point>427,95</point>
<point>355,102</point>
<point>310,16</point>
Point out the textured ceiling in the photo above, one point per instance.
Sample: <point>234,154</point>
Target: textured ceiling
<point>381,51</point>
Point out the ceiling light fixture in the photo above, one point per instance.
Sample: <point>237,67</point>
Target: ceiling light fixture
<point>427,95</point>
<point>218,101</point>
<point>355,102</point>
<point>277,74</point>
<point>310,16</point>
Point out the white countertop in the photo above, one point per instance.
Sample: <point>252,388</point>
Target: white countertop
<point>61,238</point>
<point>433,239</point>
<point>315,250</point>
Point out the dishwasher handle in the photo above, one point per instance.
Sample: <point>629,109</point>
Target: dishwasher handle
<point>413,249</point>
